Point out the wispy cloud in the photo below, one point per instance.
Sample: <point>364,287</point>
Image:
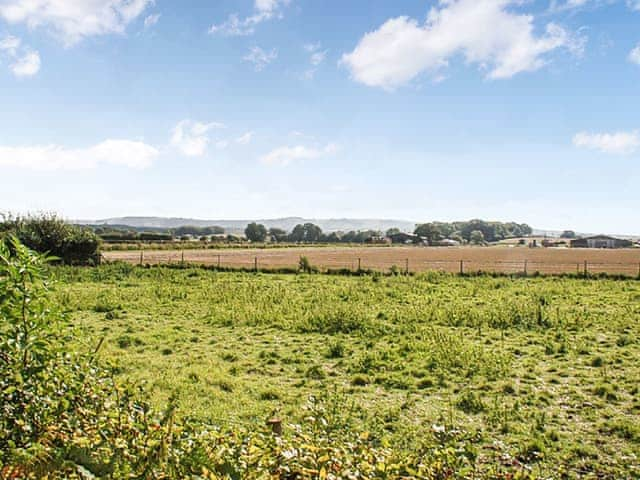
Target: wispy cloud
<point>619,143</point>
<point>260,58</point>
<point>316,57</point>
<point>245,139</point>
<point>263,10</point>
<point>283,156</point>
<point>152,20</point>
<point>126,153</point>
<point>191,137</point>
<point>634,55</point>
<point>23,61</point>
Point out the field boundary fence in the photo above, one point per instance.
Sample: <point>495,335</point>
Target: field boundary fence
<point>347,264</point>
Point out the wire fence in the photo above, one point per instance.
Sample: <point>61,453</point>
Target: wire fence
<point>289,261</point>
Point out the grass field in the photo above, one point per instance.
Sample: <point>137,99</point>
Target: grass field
<point>543,371</point>
<point>418,259</point>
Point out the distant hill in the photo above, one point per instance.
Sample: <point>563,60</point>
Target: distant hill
<point>327,225</point>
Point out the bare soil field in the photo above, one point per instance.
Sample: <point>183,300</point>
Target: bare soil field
<point>417,259</point>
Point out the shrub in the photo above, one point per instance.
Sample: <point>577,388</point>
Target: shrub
<point>47,233</point>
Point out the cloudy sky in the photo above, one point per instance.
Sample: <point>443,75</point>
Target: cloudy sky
<point>415,109</point>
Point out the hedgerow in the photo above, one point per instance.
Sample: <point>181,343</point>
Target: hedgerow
<point>47,233</point>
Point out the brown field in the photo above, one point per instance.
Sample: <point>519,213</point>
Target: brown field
<point>418,259</point>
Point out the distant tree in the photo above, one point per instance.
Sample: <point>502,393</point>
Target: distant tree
<point>256,232</point>
<point>568,234</point>
<point>477,237</point>
<point>431,231</point>
<point>277,235</point>
<point>392,231</point>
<point>307,233</point>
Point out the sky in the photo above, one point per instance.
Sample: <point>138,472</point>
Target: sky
<point>422,110</point>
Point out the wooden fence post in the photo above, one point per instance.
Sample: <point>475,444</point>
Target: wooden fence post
<point>461,267</point>
<point>182,258</point>
<point>218,262</point>
<point>141,256</point>
<point>359,265</point>
<point>525,268</point>
<point>407,266</point>
<point>255,264</point>
<point>586,271</point>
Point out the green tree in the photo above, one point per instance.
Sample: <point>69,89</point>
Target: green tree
<point>477,237</point>
<point>568,234</point>
<point>307,233</point>
<point>277,235</point>
<point>431,231</point>
<point>256,232</point>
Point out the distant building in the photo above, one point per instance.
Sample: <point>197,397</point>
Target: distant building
<point>446,242</point>
<point>404,238</point>
<point>378,240</point>
<point>600,241</point>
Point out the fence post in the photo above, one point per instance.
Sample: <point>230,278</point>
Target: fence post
<point>218,262</point>
<point>461,267</point>
<point>525,268</point>
<point>586,271</point>
<point>359,265</point>
<point>182,258</point>
<point>577,268</point>
<point>141,256</point>
<point>407,266</point>
<point>255,264</point>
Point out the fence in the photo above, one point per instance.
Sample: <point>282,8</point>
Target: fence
<point>342,260</point>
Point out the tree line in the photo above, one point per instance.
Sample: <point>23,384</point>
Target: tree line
<point>472,231</point>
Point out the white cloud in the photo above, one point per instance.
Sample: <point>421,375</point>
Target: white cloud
<point>634,5</point>
<point>634,55</point>
<point>620,143</point>
<point>10,45</point>
<point>245,139</point>
<point>260,58</point>
<point>263,10</point>
<point>73,20</point>
<point>125,153</point>
<point>26,65</point>
<point>316,58</point>
<point>284,156</point>
<point>485,32</point>
<point>24,62</point>
<point>191,137</point>
<point>151,20</point>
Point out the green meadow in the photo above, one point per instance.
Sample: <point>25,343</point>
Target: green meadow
<point>543,372</point>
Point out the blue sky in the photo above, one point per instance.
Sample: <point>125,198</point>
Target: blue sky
<point>420,110</point>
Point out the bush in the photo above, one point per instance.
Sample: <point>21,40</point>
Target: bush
<point>47,233</point>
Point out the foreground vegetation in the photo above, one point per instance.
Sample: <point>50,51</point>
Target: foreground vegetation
<point>64,415</point>
<point>513,374</point>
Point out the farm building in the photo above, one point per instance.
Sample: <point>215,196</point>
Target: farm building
<point>404,238</point>
<point>600,241</point>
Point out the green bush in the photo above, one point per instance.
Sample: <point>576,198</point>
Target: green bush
<point>47,233</point>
